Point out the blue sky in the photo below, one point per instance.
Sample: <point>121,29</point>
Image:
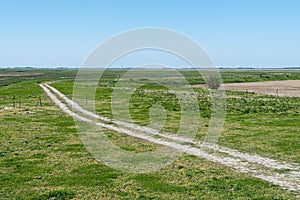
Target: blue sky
<point>234,32</point>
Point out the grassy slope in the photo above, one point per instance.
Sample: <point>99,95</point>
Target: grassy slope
<point>41,157</point>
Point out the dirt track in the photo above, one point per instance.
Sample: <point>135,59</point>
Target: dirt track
<point>254,165</point>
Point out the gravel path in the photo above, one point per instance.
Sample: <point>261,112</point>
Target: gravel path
<point>254,165</point>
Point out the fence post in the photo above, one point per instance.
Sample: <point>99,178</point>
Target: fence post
<point>40,101</point>
<point>14,97</point>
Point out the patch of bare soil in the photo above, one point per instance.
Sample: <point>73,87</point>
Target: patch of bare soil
<point>290,88</point>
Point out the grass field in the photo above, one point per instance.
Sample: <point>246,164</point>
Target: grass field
<point>42,157</point>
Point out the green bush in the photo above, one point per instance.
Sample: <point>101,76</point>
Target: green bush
<point>213,82</point>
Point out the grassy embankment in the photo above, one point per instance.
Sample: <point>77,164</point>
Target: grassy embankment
<point>41,156</point>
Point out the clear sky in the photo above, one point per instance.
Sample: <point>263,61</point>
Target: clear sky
<point>234,32</point>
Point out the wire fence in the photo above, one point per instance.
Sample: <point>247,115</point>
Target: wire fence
<point>15,101</point>
<point>278,92</point>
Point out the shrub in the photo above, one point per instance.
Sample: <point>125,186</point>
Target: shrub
<point>213,82</point>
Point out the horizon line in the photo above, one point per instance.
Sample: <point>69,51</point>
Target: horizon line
<point>180,67</point>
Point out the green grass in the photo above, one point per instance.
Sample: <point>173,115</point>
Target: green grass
<point>261,124</point>
<point>42,157</point>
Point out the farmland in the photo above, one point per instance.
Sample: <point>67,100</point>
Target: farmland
<point>42,157</point>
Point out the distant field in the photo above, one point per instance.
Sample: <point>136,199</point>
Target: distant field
<point>42,157</point>
<point>228,76</point>
<point>18,74</point>
<point>9,76</point>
